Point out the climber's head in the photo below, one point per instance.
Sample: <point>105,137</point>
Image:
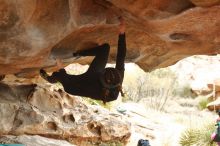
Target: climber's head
<point>112,76</point>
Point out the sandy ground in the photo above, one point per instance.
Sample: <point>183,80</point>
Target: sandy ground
<point>159,127</point>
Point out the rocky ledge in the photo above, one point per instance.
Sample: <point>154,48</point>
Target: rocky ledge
<point>32,109</point>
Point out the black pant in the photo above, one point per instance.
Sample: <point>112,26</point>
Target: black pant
<point>88,84</point>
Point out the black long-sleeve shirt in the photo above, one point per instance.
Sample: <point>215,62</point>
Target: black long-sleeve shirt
<point>88,84</point>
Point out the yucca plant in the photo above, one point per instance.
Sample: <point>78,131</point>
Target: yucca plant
<point>189,137</point>
<point>199,136</point>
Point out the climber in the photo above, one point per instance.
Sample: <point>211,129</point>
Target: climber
<point>97,82</point>
<point>216,135</point>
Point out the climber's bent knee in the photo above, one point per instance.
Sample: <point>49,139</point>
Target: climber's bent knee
<point>106,46</point>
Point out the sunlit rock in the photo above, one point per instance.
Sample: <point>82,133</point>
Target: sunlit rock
<point>34,110</point>
<point>205,3</point>
<point>33,141</point>
<point>159,32</point>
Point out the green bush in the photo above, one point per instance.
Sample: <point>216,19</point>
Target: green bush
<point>108,105</point>
<point>199,136</point>
<point>203,103</point>
<point>183,91</point>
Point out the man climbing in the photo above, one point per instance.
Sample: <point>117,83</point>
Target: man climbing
<point>97,82</point>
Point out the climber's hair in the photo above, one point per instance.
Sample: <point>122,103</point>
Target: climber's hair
<point>112,76</point>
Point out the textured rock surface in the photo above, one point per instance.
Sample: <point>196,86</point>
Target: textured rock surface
<point>33,110</point>
<point>215,98</point>
<point>159,32</point>
<point>33,141</point>
<point>206,3</point>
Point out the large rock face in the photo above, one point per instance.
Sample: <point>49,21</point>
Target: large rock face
<point>159,32</point>
<point>34,110</point>
<point>33,141</point>
<point>206,3</point>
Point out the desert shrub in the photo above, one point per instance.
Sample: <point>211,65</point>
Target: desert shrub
<point>203,103</point>
<point>155,86</point>
<point>199,136</point>
<point>151,84</point>
<point>183,91</point>
<point>90,101</point>
<point>158,86</point>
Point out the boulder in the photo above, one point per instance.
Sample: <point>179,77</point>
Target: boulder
<point>159,32</point>
<point>215,105</point>
<point>215,85</point>
<point>29,140</point>
<point>34,110</point>
<point>205,3</point>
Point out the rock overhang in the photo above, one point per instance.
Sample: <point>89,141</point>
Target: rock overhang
<point>159,33</point>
